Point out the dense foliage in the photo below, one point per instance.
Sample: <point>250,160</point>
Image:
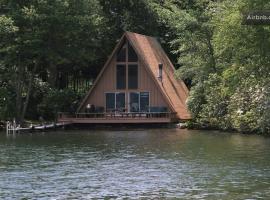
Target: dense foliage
<point>225,63</point>
<point>236,96</point>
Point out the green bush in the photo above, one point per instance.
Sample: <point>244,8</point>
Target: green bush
<point>221,104</point>
<point>264,111</point>
<point>55,101</point>
<point>196,100</point>
<point>208,104</point>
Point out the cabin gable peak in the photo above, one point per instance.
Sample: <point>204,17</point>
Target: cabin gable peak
<point>134,48</point>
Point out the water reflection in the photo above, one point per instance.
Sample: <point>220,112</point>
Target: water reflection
<point>131,164</point>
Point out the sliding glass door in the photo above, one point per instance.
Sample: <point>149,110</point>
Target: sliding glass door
<point>134,102</point>
<point>144,101</point>
<point>120,102</point>
<point>115,102</point>
<point>139,101</point>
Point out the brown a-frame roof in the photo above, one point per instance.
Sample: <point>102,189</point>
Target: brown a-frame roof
<point>151,54</point>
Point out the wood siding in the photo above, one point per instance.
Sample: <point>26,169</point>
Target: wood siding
<point>107,83</point>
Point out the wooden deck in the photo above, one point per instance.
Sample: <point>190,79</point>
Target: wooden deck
<point>117,118</point>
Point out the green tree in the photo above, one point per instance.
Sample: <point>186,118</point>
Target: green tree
<point>242,59</point>
<point>48,35</point>
<point>189,33</point>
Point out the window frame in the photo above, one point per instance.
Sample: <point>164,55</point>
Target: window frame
<point>126,45</point>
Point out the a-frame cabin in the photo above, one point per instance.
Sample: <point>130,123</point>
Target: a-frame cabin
<point>136,85</point>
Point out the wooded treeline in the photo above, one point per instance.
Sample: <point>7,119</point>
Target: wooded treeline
<point>51,50</point>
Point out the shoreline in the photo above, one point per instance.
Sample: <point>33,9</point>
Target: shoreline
<point>49,126</point>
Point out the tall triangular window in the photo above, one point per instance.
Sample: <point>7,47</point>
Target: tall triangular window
<point>132,56</point>
<point>121,55</point>
<point>127,68</point>
<point>127,52</point>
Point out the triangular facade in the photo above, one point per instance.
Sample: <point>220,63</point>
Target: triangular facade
<point>138,77</point>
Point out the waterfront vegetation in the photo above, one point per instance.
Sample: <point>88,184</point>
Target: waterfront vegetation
<point>50,51</point>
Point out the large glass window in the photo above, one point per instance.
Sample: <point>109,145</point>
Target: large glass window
<point>120,102</point>
<point>121,55</point>
<point>132,56</point>
<point>132,76</point>
<point>134,104</point>
<point>144,101</point>
<point>121,76</point>
<point>110,102</point>
<point>123,70</point>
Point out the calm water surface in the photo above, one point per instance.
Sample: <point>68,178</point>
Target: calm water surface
<point>146,164</point>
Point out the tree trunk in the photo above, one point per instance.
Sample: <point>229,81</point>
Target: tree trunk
<point>52,78</point>
<point>18,83</point>
<point>29,91</point>
<point>211,51</point>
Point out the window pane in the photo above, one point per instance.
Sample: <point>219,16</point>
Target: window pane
<point>132,56</point>
<point>110,101</point>
<point>134,102</point>
<point>121,55</point>
<point>144,101</point>
<point>120,102</point>
<point>132,76</point>
<point>121,77</point>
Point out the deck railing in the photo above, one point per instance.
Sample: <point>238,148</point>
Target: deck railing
<point>118,115</point>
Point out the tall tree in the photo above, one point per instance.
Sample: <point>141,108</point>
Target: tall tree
<point>189,33</point>
<point>7,32</point>
<point>49,34</point>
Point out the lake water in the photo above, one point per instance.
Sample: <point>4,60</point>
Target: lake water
<point>132,164</point>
